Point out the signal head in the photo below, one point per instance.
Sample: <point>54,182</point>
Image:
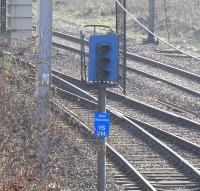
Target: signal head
<point>103,58</point>
<point>103,75</point>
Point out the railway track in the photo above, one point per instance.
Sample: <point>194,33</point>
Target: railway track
<point>123,172</point>
<point>180,131</point>
<point>176,77</point>
<point>180,126</point>
<point>154,160</point>
<point>186,176</point>
<point>150,88</point>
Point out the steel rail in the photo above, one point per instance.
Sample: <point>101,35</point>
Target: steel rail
<point>164,134</point>
<point>188,90</point>
<point>175,156</point>
<point>77,40</point>
<point>176,107</point>
<point>150,128</point>
<point>110,150</point>
<point>133,101</point>
<point>67,37</point>
<point>191,171</point>
<point>61,46</point>
<point>159,132</point>
<point>132,56</point>
<point>175,160</point>
<point>142,181</point>
<point>92,99</point>
<point>196,93</point>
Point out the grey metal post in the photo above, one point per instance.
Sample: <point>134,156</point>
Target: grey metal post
<point>151,20</point>
<point>101,153</point>
<point>121,31</point>
<point>3,16</point>
<point>44,70</point>
<point>45,56</point>
<point>38,17</point>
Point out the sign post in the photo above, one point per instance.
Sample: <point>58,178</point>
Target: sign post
<point>101,153</point>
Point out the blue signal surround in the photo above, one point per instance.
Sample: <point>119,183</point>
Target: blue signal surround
<point>103,58</point>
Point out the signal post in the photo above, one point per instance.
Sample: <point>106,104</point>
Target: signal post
<point>103,70</point>
<point>101,152</point>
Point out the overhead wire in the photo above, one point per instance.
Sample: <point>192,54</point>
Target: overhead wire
<point>159,38</point>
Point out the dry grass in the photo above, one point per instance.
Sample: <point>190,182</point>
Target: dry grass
<point>20,134</point>
<point>17,113</point>
<point>182,18</point>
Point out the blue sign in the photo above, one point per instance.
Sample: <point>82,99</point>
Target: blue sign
<point>101,124</point>
<point>103,58</point>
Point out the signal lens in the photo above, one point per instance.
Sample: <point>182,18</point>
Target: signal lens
<point>104,48</point>
<point>103,75</point>
<point>104,61</point>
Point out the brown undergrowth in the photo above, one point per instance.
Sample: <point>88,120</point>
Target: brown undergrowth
<point>20,167</point>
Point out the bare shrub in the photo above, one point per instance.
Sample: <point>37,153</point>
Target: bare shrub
<point>20,133</point>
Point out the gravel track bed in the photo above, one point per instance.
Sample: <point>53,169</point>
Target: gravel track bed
<point>75,160</point>
<point>68,43</point>
<point>66,62</point>
<point>143,156</point>
<point>141,90</point>
<point>70,162</point>
<point>180,98</point>
<point>148,90</point>
<point>177,128</point>
<point>78,160</point>
<point>86,116</point>
<point>189,155</point>
<point>164,74</point>
<point>179,79</point>
<point>151,91</point>
<point>149,51</point>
